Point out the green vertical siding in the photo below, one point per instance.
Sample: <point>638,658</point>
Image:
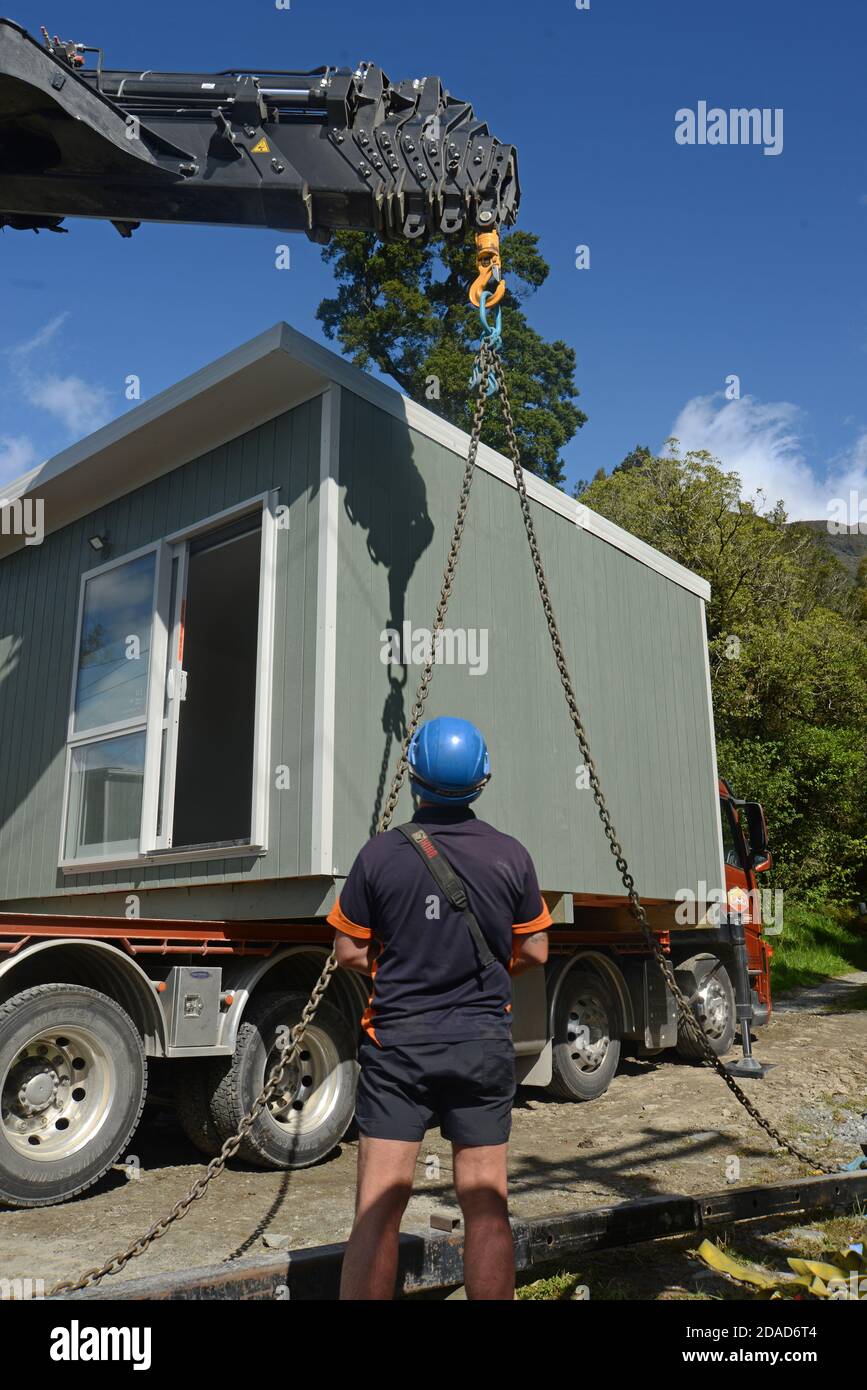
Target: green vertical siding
<point>634,641</point>
<point>39,589</point>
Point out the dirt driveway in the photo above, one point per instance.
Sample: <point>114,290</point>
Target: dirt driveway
<point>663,1127</point>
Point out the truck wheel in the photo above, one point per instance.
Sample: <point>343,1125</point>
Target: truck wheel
<point>586,1050</point>
<point>313,1112</point>
<point>193,1086</point>
<point>706,982</point>
<point>73,1078</point>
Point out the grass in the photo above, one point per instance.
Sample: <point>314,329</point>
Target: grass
<point>817,943</point>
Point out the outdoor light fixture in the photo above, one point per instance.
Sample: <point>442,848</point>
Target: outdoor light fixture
<point>98,543</point>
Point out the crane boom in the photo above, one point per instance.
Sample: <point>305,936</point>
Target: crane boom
<point>297,151</point>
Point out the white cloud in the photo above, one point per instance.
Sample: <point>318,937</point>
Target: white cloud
<point>762,442</point>
<point>78,406</point>
<point>42,338</point>
<point>17,455</point>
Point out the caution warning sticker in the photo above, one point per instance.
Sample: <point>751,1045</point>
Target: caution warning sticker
<point>262,148</point>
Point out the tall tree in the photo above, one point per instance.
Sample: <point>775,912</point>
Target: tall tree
<point>403,307</point>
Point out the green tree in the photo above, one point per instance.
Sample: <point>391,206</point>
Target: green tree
<point>403,307</point>
<point>861,590</point>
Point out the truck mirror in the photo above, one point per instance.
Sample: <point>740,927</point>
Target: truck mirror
<point>757,832</point>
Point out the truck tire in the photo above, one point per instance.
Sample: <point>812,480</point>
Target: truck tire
<point>586,1048</point>
<point>319,1101</point>
<point>193,1086</point>
<point>73,1078</point>
<point>706,982</point>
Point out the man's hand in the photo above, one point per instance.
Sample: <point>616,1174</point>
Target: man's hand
<point>354,954</point>
<point>528,952</point>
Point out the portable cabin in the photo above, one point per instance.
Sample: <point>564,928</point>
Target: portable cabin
<point>207,661</point>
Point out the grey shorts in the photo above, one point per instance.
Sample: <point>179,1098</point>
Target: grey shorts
<point>467,1088</point>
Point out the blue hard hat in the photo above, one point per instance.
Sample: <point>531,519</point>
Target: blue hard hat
<point>448,762</point>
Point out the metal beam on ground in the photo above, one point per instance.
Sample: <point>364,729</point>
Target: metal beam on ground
<point>436,1261</point>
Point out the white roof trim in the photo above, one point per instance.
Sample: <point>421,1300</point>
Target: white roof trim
<point>277,370</point>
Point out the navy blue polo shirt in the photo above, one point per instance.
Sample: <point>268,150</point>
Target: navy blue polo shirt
<point>427,982</point>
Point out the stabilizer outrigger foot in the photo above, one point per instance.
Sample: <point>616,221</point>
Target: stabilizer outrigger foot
<point>747,1066</point>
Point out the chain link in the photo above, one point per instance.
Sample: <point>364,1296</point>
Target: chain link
<point>489,361</point>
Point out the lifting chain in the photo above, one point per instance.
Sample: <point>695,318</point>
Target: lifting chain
<point>489,363</point>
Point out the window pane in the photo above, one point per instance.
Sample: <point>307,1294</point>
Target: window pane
<point>730,848</point>
<point>115,645</point>
<point>105,794</point>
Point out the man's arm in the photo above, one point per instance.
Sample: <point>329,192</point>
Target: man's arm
<point>353,953</point>
<point>528,952</point>
<point>352,920</point>
<point>532,920</point>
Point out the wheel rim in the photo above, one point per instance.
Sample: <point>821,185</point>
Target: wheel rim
<point>311,1085</point>
<point>588,1033</point>
<point>712,1007</point>
<point>57,1094</point>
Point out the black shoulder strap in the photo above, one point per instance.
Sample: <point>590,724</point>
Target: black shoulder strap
<point>450,884</point>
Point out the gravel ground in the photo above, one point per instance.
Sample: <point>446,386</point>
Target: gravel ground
<point>663,1127</point>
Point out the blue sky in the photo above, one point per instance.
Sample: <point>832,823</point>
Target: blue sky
<point>706,261</point>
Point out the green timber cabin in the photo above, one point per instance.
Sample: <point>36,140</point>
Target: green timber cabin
<point>201,713</point>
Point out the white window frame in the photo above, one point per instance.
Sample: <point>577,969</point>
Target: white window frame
<point>162,660</point>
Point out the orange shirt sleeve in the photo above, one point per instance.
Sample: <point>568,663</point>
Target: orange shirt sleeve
<point>539,923</point>
<point>337,918</point>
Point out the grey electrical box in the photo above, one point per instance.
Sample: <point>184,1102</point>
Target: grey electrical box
<point>192,1005</point>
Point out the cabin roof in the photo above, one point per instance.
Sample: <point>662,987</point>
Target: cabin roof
<point>257,381</point>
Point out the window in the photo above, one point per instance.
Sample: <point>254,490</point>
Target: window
<point>105,793</point>
<point>168,726</point>
<point>109,710</point>
<point>731,847</point>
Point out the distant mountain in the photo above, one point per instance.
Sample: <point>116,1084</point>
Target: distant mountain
<point>849,546</point>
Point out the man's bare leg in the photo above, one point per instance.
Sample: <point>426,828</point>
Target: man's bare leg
<point>386,1168</point>
<point>482,1191</point>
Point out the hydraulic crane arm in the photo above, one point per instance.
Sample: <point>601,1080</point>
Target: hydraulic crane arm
<point>296,151</point>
